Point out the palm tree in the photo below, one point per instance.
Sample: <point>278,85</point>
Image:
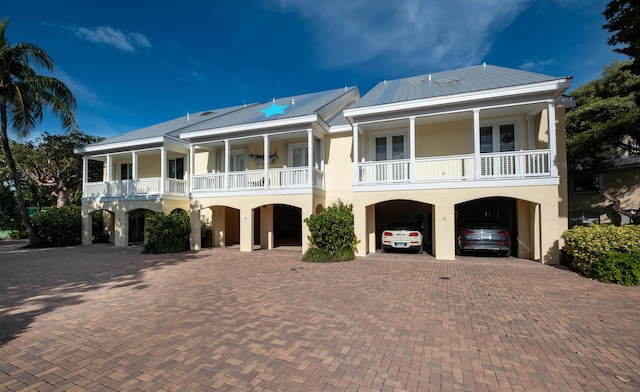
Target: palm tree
<point>24,96</point>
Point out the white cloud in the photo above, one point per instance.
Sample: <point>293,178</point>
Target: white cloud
<point>128,42</point>
<point>536,65</point>
<point>420,32</point>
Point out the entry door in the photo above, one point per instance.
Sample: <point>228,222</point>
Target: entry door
<point>388,148</point>
<point>498,138</point>
<point>237,163</point>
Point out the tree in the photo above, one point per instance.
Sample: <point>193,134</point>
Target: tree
<point>51,162</point>
<point>606,114</point>
<point>605,117</point>
<point>623,18</point>
<point>24,97</point>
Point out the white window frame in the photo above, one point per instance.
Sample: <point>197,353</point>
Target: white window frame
<point>495,125</point>
<point>236,152</point>
<point>293,146</point>
<point>389,134</point>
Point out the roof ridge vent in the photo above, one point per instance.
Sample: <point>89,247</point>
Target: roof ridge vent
<point>416,80</point>
<point>448,80</point>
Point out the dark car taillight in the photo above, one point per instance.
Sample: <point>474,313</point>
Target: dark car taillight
<point>414,234</point>
<point>387,234</point>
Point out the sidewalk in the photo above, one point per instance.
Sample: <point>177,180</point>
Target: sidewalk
<point>106,318</point>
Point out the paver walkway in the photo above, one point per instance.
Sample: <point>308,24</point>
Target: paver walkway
<point>105,318</point>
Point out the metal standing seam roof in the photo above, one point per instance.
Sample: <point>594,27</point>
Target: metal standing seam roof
<point>439,84</point>
<point>171,128</point>
<point>296,106</point>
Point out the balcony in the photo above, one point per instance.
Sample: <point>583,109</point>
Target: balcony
<point>493,166</point>
<point>141,187</point>
<point>252,180</point>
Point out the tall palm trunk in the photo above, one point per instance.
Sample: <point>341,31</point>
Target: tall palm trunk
<point>33,237</point>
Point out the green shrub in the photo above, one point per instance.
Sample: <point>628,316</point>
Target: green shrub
<point>59,226</point>
<point>617,267</point>
<point>316,255</point>
<point>594,249</point>
<point>167,233</point>
<point>331,232</point>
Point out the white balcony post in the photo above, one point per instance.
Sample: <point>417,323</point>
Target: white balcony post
<point>310,157</point>
<point>551,108</point>
<point>109,175</point>
<point>134,174</point>
<point>227,160</point>
<point>163,169</point>
<point>134,164</point>
<point>412,149</point>
<point>265,181</point>
<point>85,173</point>
<point>356,176</point>
<point>192,165</point>
<point>322,160</point>
<point>109,168</point>
<point>477,166</point>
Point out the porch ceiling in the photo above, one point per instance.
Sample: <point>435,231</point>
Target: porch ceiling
<point>529,109</point>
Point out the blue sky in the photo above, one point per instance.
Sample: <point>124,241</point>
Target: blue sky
<point>135,63</point>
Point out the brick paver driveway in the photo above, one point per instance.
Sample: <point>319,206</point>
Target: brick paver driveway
<point>105,318</point>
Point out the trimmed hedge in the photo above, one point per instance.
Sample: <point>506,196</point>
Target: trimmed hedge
<point>167,233</point>
<point>59,226</point>
<point>605,252</point>
<point>332,237</point>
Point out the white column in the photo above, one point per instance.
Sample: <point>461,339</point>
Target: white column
<point>266,162</point>
<point>109,168</point>
<point>477,168</point>
<point>163,169</point>
<point>356,174</point>
<point>227,151</point>
<point>310,157</point>
<point>322,152</point>
<point>85,173</point>
<point>551,108</point>
<point>192,165</point>
<point>134,164</point>
<point>412,149</point>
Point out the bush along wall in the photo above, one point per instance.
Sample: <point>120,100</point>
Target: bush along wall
<point>167,233</point>
<point>59,226</point>
<point>332,237</point>
<point>605,252</point>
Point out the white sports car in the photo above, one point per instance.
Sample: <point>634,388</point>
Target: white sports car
<point>401,236</point>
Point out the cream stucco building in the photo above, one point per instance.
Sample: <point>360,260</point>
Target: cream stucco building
<point>436,150</point>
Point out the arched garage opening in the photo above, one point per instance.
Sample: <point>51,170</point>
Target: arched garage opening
<point>102,226</point>
<point>287,225</point>
<point>503,210</point>
<point>405,211</point>
<point>225,223</point>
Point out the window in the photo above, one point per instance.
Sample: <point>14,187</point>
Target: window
<point>238,160</point>
<point>126,171</point>
<point>583,218</point>
<point>176,168</point>
<point>299,154</point>
<point>388,147</point>
<point>498,138</point>
<point>586,184</point>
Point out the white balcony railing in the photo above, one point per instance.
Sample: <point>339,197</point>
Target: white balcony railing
<point>281,178</point>
<point>518,164</point>
<point>132,188</point>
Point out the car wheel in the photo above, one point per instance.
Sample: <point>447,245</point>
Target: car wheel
<point>505,253</point>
